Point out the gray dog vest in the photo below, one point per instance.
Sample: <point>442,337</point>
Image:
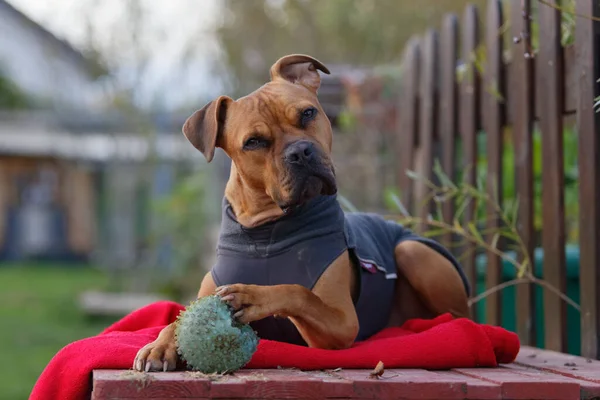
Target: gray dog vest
<point>298,248</point>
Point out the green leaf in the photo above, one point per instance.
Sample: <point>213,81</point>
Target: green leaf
<point>347,204</point>
<point>495,240</point>
<point>515,213</point>
<point>475,232</point>
<point>413,175</point>
<point>458,227</point>
<point>434,232</point>
<point>522,269</point>
<point>441,175</point>
<point>509,235</point>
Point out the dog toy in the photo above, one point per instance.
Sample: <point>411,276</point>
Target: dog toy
<point>210,340</point>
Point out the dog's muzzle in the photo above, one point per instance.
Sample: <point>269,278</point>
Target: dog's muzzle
<point>309,172</point>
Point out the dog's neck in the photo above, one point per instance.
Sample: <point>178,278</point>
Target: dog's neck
<point>252,206</point>
<point>317,218</point>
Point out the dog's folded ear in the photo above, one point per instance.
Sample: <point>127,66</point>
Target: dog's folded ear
<point>204,128</point>
<point>299,69</point>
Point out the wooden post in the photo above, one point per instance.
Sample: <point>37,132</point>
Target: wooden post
<point>522,109</point>
<point>493,97</point>
<point>448,111</point>
<point>550,98</point>
<point>427,123</point>
<point>587,44</point>
<point>406,136</point>
<point>469,124</point>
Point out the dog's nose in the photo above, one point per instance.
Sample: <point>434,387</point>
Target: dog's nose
<point>300,152</point>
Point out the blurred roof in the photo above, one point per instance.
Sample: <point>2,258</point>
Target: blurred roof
<point>111,122</point>
<point>75,55</point>
<point>92,137</point>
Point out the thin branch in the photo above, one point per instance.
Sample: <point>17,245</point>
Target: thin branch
<point>497,288</point>
<point>561,9</point>
<point>464,233</point>
<point>554,290</point>
<point>529,279</point>
<point>473,235</point>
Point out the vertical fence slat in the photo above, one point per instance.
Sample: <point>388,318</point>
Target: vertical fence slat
<point>448,120</point>
<point>522,106</point>
<point>427,124</point>
<point>492,124</point>
<point>550,91</point>
<point>408,127</point>
<point>587,44</point>
<point>469,123</point>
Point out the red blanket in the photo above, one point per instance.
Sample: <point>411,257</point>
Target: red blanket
<point>441,343</point>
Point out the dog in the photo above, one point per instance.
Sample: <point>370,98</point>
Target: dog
<point>290,262</point>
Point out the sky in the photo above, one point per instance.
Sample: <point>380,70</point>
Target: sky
<point>169,31</point>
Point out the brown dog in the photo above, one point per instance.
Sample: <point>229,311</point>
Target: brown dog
<point>279,140</point>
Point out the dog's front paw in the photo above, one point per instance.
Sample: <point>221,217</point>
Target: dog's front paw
<point>159,355</point>
<point>250,302</point>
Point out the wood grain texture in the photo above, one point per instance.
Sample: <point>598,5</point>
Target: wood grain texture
<point>448,110</point>
<point>587,43</point>
<point>427,125</point>
<point>493,99</point>
<point>522,108</point>
<point>550,99</point>
<point>536,374</point>
<point>406,137</point>
<point>469,125</point>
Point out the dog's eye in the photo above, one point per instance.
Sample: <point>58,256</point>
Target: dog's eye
<point>308,114</point>
<point>255,143</point>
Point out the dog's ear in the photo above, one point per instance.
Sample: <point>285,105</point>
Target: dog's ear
<point>204,127</point>
<point>299,69</point>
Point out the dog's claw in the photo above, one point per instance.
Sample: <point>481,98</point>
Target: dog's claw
<point>148,366</point>
<point>221,290</point>
<point>238,314</point>
<point>229,297</point>
<point>165,366</point>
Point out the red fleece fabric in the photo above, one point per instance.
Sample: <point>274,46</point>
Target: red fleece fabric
<point>440,343</point>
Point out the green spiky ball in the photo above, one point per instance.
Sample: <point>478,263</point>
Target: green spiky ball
<point>210,340</point>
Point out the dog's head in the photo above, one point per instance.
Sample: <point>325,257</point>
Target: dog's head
<point>278,137</point>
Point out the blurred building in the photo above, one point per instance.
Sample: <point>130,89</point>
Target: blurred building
<point>74,170</point>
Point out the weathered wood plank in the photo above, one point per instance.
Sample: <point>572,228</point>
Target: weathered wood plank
<point>559,363</point>
<point>427,125</point>
<point>407,383</point>
<point>492,122</point>
<point>524,385</point>
<point>522,107</point>
<point>587,389</point>
<point>587,42</point>
<point>549,96</point>
<point>448,116</point>
<point>570,79</point>
<point>406,136</point>
<point>537,374</point>
<point>469,125</point>
<point>476,388</point>
<point>285,383</point>
<point>110,384</point>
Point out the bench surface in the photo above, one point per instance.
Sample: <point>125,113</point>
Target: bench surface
<point>537,374</point>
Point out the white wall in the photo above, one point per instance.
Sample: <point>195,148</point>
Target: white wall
<point>41,67</point>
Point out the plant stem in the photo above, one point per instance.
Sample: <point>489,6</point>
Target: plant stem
<point>497,288</point>
<point>554,290</point>
<point>528,279</point>
<point>561,9</point>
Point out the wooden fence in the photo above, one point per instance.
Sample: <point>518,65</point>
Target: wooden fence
<point>442,113</point>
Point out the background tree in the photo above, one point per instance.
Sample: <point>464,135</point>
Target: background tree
<point>253,34</point>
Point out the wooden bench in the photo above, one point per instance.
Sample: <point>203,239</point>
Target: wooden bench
<point>537,374</point>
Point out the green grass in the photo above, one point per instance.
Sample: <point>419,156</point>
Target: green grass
<point>39,316</point>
